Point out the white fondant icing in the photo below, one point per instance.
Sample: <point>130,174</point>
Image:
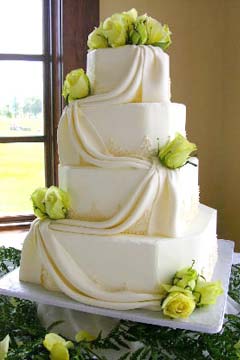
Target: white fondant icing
<point>98,195</point>
<point>121,271</point>
<point>109,68</point>
<point>132,130</point>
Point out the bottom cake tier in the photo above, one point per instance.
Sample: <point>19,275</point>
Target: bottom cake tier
<point>121,271</point>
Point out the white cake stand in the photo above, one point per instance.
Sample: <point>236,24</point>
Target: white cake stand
<point>78,316</point>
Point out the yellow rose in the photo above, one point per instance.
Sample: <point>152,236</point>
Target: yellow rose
<point>178,304</point>
<point>126,18</point>
<point>96,39</point>
<point>57,203</point>
<point>51,339</point>
<point>154,30</point>
<point>138,34</point>
<point>57,346</point>
<point>38,200</point>
<point>158,34</point>
<point>130,16</point>
<point>206,293</point>
<point>115,30</point>
<point>59,352</point>
<point>176,152</point>
<point>186,278</point>
<point>76,85</point>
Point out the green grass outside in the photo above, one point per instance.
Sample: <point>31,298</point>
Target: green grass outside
<point>21,171</point>
<point>26,126</point>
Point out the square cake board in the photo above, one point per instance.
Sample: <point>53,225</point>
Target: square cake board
<point>207,319</point>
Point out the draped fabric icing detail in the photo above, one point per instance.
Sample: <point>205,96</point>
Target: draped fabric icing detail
<point>91,148</point>
<point>76,284</point>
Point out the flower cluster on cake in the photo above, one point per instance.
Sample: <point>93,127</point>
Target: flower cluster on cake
<point>125,224</point>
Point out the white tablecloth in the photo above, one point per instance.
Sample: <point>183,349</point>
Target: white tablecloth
<point>232,306</point>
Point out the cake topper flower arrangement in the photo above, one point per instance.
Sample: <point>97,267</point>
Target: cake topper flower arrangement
<point>127,28</point>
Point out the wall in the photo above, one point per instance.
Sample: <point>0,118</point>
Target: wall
<point>231,122</point>
<point>205,75</point>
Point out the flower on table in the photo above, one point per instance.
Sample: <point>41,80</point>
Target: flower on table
<point>57,346</point>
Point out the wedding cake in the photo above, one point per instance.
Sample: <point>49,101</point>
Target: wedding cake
<point>133,221</point>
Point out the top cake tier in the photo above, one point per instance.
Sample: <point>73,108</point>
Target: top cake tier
<point>142,71</point>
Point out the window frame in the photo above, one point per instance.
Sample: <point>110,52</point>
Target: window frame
<point>64,49</point>
<point>47,59</point>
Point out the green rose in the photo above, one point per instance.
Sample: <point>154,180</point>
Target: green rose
<point>126,18</point>
<point>76,85</point>
<point>57,203</point>
<point>178,304</point>
<point>115,30</point>
<point>166,39</point>
<point>4,345</point>
<point>158,34</point>
<point>138,34</point>
<point>176,152</point>
<point>206,293</point>
<point>130,16</point>
<point>186,278</point>
<point>96,39</point>
<point>57,346</point>
<point>38,200</point>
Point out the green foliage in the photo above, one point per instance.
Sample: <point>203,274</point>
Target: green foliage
<point>9,259</point>
<point>7,111</point>
<point>18,318</point>
<point>234,288</point>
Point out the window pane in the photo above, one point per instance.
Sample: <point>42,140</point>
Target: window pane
<point>21,171</point>
<point>21,98</point>
<point>21,26</point>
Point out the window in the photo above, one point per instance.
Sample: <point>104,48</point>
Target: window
<point>26,123</point>
<point>43,39</point>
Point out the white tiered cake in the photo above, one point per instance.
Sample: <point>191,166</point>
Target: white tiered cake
<point>133,222</point>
